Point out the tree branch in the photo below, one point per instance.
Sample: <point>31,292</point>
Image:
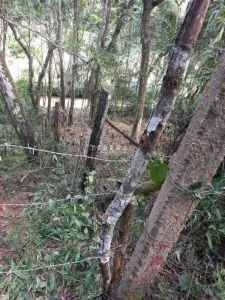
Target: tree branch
<point>130,139</point>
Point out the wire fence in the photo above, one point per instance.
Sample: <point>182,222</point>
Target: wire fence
<point>33,149</point>
<point>52,266</point>
<point>51,201</point>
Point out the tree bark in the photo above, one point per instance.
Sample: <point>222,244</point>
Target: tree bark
<point>42,75</point>
<point>169,90</point>
<point>49,90</point>
<point>74,64</point>
<point>56,124</point>
<point>95,136</point>
<point>60,52</point>
<point>62,81</point>
<point>197,159</point>
<point>126,221</point>
<point>144,69</point>
<point>97,130</point>
<point>11,99</point>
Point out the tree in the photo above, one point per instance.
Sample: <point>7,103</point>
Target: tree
<point>11,99</point>
<point>60,52</point>
<point>144,68</point>
<point>196,161</point>
<point>74,63</point>
<point>28,53</point>
<point>182,52</point>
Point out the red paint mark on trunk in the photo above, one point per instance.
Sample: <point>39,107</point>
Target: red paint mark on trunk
<point>156,260</point>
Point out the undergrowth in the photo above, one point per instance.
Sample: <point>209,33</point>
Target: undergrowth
<point>55,245</point>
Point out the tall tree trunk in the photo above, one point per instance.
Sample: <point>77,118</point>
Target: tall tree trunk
<point>11,99</point>
<point>62,81</point>
<point>42,75</point>
<point>197,159</point>
<point>183,50</point>
<point>30,63</point>
<point>97,72</point>
<point>144,69</point>
<point>74,64</point>
<point>61,60</point>
<point>96,88</point>
<point>49,90</point>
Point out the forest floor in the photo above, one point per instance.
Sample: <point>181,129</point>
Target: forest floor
<point>192,271</point>
<point>19,186</point>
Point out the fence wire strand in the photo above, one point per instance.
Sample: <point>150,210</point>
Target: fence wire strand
<point>33,149</point>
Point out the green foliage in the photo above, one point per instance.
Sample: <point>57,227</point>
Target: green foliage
<point>59,237</point>
<point>187,282</point>
<point>22,87</point>
<point>15,50</point>
<point>158,171</point>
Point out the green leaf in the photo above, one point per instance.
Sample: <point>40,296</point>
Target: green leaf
<point>77,256</point>
<point>78,223</point>
<point>52,283</point>
<point>185,281</point>
<point>219,36</point>
<point>24,296</point>
<point>191,256</point>
<point>158,171</point>
<point>208,235</point>
<point>218,214</point>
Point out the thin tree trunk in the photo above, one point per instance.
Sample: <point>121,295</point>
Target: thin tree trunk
<point>11,99</point>
<point>183,50</point>
<point>121,132</point>
<point>95,136</point>
<point>122,20</point>
<point>144,69</point>
<point>49,90</point>
<point>42,75</point>
<point>73,90</point>
<point>196,160</point>
<point>74,64</point>
<point>30,63</point>
<point>126,221</point>
<point>62,81</point>
<point>56,124</point>
<point>97,130</point>
<point>61,60</point>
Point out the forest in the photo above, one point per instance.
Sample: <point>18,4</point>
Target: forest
<point>112,149</point>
